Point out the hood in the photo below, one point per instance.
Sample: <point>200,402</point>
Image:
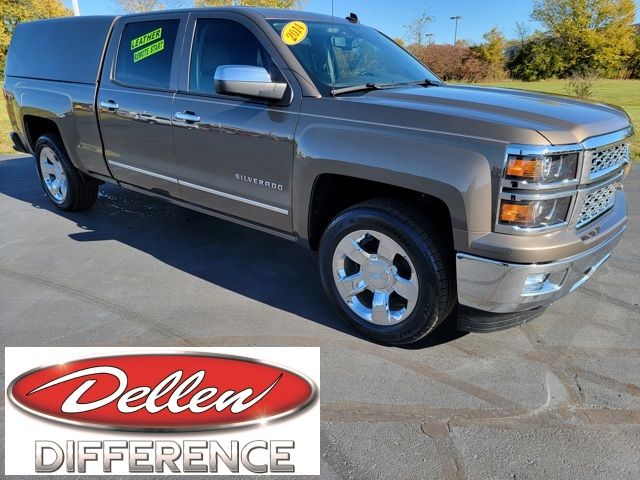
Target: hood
<point>560,120</point>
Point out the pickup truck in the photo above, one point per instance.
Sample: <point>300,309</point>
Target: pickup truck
<point>424,200</point>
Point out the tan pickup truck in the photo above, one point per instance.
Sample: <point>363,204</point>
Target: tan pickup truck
<point>425,200</point>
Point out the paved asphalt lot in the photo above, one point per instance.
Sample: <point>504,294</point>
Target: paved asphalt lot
<point>557,399</point>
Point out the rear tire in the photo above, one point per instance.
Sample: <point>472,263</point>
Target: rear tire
<point>396,300</point>
<point>65,186</point>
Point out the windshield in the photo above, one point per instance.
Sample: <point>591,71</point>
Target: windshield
<point>339,56</point>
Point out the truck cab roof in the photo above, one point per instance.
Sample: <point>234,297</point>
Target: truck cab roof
<point>265,13</point>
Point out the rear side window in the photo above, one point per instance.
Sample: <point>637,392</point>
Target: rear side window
<point>145,53</point>
<point>222,42</point>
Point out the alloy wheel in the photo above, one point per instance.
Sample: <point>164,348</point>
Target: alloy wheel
<point>53,176</point>
<point>375,277</point>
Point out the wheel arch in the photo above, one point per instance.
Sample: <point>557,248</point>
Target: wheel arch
<point>333,193</point>
<point>41,107</point>
<point>36,126</point>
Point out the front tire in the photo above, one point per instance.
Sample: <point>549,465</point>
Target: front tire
<point>387,271</point>
<point>65,186</point>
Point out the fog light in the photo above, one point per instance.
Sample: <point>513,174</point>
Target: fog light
<point>540,283</point>
<point>534,283</point>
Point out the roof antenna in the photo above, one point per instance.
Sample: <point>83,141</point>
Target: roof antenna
<point>352,18</point>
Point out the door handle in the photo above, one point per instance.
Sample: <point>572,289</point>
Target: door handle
<point>109,105</point>
<point>188,117</point>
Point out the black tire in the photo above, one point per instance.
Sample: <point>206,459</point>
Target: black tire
<point>82,191</point>
<point>428,250</point>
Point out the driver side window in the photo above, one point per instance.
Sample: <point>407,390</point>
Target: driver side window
<point>222,42</point>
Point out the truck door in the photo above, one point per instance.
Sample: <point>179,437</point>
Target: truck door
<point>235,155</point>
<point>139,80</point>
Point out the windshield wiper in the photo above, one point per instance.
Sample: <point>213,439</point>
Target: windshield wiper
<point>365,87</point>
<point>428,83</point>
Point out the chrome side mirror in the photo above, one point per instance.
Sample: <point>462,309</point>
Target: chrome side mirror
<point>247,81</point>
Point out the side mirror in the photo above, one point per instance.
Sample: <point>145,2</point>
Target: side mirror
<point>247,81</point>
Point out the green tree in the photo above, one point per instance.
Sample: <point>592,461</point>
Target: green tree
<point>541,57</point>
<point>492,53</point>
<point>16,11</point>
<point>250,3</point>
<point>594,35</point>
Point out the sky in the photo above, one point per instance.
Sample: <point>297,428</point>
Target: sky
<point>390,16</point>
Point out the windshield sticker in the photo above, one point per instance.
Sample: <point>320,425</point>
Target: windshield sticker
<point>146,38</point>
<point>148,51</point>
<point>294,32</point>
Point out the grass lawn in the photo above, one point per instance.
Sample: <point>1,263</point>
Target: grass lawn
<point>5,128</point>
<point>624,93</point>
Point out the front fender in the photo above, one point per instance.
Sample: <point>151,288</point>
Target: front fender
<point>455,170</point>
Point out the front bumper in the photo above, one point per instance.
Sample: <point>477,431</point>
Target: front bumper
<point>496,286</point>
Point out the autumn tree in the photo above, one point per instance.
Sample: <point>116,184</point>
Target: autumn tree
<point>633,66</point>
<point>137,6</point>
<point>250,3</point>
<point>17,11</point>
<point>492,53</point>
<point>594,35</point>
<point>416,31</point>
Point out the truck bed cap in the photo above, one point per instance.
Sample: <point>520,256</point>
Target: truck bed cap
<point>64,49</point>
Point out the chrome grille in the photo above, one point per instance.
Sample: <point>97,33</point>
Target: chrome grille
<point>596,204</point>
<point>608,159</point>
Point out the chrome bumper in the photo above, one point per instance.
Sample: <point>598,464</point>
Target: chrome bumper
<point>495,286</point>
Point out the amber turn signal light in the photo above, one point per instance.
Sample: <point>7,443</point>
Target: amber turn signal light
<point>530,168</point>
<point>542,169</point>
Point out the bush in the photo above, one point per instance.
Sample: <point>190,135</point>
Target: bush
<point>540,58</point>
<point>452,63</point>
<point>581,85</point>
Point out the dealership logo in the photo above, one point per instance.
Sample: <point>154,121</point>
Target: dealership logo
<point>163,392</point>
<point>106,411</point>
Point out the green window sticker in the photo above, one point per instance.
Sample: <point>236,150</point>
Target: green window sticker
<point>148,51</point>
<point>146,38</point>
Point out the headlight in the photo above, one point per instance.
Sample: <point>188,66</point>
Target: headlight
<point>534,213</point>
<point>542,169</point>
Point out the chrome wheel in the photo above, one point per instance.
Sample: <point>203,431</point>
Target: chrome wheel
<point>53,176</point>
<point>375,277</point>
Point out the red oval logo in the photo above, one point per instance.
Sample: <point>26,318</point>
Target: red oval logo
<point>162,392</point>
